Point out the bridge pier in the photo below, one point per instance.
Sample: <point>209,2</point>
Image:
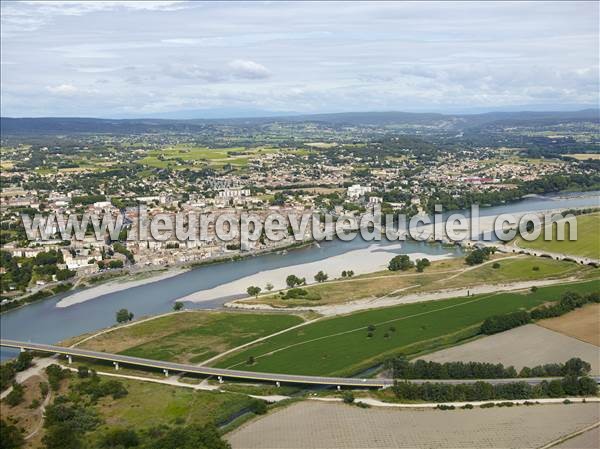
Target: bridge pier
<point>220,379</point>
<point>339,388</point>
<point>116,366</point>
<point>278,384</point>
<point>69,359</point>
<point>22,349</point>
<point>166,371</point>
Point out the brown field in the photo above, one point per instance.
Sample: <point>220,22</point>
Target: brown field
<point>582,324</point>
<point>309,425</point>
<point>528,345</point>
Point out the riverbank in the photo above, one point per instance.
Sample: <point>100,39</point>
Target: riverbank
<point>362,261</point>
<point>116,286</point>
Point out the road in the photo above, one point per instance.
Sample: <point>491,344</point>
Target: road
<point>238,374</point>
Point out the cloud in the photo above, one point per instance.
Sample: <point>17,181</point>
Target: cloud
<point>249,69</point>
<point>63,89</point>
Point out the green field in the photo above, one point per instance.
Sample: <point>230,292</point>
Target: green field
<point>586,245</point>
<point>181,157</point>
<point>341,346</point>
<point>190,336</point>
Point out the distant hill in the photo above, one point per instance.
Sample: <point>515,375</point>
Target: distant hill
<point>67,125</point>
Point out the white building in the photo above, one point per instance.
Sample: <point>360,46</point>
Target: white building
<point>236,192</point>
<point>356,191</point>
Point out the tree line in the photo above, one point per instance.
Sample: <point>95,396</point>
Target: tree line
<point>568,302</point>
<point>401,368</point>
<point>484,391</point>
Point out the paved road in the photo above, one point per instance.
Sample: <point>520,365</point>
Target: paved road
<point>238,374</point>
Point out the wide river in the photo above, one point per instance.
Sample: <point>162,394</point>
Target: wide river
<point>211,286</point>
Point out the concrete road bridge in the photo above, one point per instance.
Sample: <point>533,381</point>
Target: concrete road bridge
<point>222,373</point>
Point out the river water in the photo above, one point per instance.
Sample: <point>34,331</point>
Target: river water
<point>43,322</point>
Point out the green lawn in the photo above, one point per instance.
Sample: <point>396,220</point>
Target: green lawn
<point>341,346</point>
<point>587,243</point>
<point>191,336</point>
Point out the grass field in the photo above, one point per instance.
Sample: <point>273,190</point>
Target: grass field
<point>182,157</point>
<point>586,245</point>
<point>443,274</point>
<point>341,345</point>
<point>190,336</point>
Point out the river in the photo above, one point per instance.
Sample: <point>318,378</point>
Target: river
<point>44,322</point>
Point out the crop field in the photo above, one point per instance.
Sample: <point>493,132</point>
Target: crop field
<point>528,345</point>
<point>344,345</point>
<point>341,426</point>
<point>586,244</point>
<point>190,336</point>
<point>443,274</point>
<point>583,324</point>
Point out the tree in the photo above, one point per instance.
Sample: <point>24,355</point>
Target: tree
<point>478,256</point>
<point>124,315</point>
<point>292,280</point>
<point>350,273</point>
<point>10,436</point>
<point>177,306</point>
<point>269,286</point>
<point>120,438</point>
<point>422,264</point>
<point>401,262</point>
<point>250,361</point>
<point>253,291</point>
<point>321,277</point>
<point>344,273</point>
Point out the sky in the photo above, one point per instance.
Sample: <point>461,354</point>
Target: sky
<point>142,59</point>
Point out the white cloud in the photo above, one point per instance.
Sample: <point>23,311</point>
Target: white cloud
<point>249,69</point>
<point>62,89</point>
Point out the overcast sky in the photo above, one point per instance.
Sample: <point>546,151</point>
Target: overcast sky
<point>115,59</point>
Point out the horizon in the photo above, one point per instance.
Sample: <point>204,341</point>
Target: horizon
<point>283,115</point>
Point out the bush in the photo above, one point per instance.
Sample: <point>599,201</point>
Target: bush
<point>120,438</point>
<point>259,407</point>
<point>348,397</point>
<point>467,406</point>
<point>496,265</point>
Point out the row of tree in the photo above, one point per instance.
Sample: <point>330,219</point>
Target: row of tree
<point>484,391</point>
<point>569,301</point>
<point>401,368</point>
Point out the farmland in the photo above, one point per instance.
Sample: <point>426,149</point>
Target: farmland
<point>187,157</point>
<point>536,346</point>
<point>344,345</point>
<point>190,336</point>
<point>342,426</point>
<point>586,244</point>
<point>583,324</point>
